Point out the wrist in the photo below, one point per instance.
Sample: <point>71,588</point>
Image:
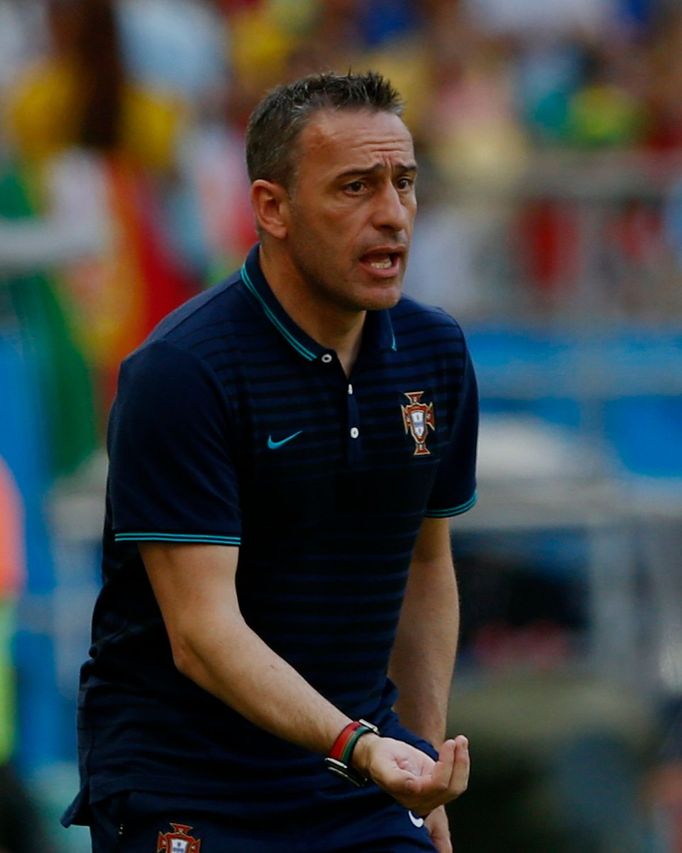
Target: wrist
<point>342,758</point>
<point>360,758</point>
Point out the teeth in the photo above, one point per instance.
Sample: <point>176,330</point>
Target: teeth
<point>381,265</point>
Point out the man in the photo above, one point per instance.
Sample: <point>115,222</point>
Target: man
<point>285,452</point>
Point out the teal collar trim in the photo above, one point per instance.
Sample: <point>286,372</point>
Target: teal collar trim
<point>378,332</point>
<point>255,283</point>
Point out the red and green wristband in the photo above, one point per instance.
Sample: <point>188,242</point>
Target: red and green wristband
<point>338,760</point>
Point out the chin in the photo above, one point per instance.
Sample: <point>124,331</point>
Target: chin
<point>385,299</point>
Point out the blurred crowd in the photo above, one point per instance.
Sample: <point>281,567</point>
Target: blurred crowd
<point>122,176</point>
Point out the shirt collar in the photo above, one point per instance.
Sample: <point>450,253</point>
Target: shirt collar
<point>377,332</point>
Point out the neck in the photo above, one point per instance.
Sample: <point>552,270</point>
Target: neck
<point>328,323</point>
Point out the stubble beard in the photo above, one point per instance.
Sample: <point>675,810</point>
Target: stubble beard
<point>332,291</point>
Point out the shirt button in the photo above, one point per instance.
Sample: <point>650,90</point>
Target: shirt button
<point>326,358</point>
<point>354,432</point>
<point>350,389</point>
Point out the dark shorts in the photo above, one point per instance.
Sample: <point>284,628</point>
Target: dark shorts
<point>142,822</point>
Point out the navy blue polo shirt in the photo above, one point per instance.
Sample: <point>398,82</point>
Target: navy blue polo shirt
<point>232,426</point>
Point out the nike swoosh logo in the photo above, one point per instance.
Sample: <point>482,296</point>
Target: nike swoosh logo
<point>275,445</point>
<point>417,821</point>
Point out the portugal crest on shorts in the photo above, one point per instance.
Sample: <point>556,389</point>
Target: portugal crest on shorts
<point>177,841</point>
<point>417,418</point>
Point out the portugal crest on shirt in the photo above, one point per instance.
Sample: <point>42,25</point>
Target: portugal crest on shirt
<point>417,418</point>
<point>177,841</point>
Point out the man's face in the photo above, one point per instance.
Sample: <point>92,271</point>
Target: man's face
<point>351,208</point>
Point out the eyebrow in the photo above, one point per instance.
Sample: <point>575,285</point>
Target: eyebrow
<point>401,168</point>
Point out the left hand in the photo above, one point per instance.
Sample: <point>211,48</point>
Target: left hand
<point>439,829</point>
<point>411,776</point>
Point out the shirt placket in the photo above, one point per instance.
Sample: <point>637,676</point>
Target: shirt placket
<point>352,429</point>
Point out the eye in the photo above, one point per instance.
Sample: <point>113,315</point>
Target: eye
<point>355,187</point>
<point>405,183</point>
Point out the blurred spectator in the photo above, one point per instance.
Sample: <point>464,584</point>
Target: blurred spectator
<point>478,141</point>
<point>603,111</point>
<point>79,94</point>
<point>102,146</point>
<point>547,74</point>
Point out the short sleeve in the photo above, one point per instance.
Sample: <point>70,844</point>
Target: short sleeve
<point>171,473</point>
<point>454,490</point>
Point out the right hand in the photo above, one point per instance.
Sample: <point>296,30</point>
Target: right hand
<point>411,776</point>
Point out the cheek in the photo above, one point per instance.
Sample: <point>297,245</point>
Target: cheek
<point>334,232</point>
<point>336,237</point>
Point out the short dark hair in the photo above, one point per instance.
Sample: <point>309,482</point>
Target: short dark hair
<point>277,121</point>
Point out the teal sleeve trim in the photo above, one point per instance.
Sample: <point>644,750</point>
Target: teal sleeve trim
<point>455,510</point>
<point>203,538</point>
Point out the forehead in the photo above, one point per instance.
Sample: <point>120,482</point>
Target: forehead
<point>335,141</point>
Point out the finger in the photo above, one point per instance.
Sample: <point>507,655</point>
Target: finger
<point>444,768</point>
<point>459,778</point>
<point>432,788</point>
<point>447,781</point>
<point>442,843</point>
<point>439,830</point>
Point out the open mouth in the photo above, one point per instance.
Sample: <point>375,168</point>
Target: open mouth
<point>382,263</point>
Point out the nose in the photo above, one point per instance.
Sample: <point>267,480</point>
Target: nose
<point>392,210</point>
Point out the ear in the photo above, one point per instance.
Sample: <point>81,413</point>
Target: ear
<point>269,202</point>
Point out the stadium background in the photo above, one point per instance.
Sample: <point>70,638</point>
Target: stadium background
<point>549,136</point>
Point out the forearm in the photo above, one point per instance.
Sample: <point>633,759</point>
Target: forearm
<point>213,646</point>
<point>235,665</point>
<point>423,657</point>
